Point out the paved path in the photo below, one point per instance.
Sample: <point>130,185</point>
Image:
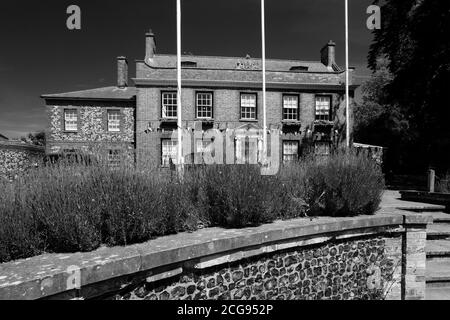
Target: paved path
<point>438,242</point>
<point>391,199</point>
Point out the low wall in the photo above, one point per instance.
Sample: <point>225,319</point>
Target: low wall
<point>16,157</point>
<point>370,257</point>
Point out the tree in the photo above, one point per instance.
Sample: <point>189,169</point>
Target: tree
<point>414,38</point>
<point>379,122</point>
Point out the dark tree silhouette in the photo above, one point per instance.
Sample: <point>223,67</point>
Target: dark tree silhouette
<point>415,40</point>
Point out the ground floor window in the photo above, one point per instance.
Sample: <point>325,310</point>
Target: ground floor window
<point>168,152</point>
<point>322,148</point>
<point>290,151</point>
<point>248,150</point>
<point>114,156</point>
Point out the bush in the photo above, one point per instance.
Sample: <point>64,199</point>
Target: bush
<point>235,196</point>
<point>77,206</point>
<point>345,184</point>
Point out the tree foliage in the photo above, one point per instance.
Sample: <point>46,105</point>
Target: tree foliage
<point>415,43</point>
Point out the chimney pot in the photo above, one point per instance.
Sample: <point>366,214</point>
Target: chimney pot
<point>328,54</point>
<point>122,72</point>
<point>150,46</point>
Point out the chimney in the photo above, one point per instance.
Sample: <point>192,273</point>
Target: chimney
<point>150,46</point>
<point>122,72</point>
<point>328,54</point>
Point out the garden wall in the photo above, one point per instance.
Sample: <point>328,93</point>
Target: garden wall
<point>15,157</point>
<point>370,257</point>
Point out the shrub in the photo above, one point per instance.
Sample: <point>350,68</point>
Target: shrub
<point>344,184</point>
<point>234,196</point>
<point>73,206</point>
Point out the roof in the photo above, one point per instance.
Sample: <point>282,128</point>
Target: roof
<point>2,137</point>
<point>230,63</point>
<point>106,93</point>
<point>218,71</point>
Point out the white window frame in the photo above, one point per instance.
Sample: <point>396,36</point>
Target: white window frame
<point>323,107</point>
<point>204,105</point>
<point>169,151</point>
<point>290,107</point>
<point>248,106</point>
<point>114,157</point>
<point>113,120</point>
<point>71,120</point>
<point>169,106</point>
<point>290,150</point>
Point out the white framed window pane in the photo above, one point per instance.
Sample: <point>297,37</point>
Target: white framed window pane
<point>114,120</point>
<point>169,152</point>
<point>204,105</point>
<point>248,106</point>
<point>323,105</point>
<point>290,107</point>
<point>169,105</point>
<point>290,151</point>
<point>114,157</point>
<point>322,148</point>
<point>70,120</point>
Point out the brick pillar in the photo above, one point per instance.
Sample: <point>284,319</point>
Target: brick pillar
<point>414,257</point>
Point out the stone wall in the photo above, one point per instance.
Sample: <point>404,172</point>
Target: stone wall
<point>343,270</point>
<point>92,130</point>
<point>373,257</point>
<point>17,157</point>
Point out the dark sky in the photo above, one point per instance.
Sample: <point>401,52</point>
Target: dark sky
<point>38,54</point>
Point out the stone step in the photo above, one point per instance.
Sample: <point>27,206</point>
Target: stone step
<point>437,293</point>
<point>440,217</point>
<point>438,249</point>
<point>438,231</point>
<point>438,271</point>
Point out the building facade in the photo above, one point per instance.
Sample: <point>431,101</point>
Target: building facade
<point>305,103</point>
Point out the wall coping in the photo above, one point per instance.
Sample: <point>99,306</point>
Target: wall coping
<point>48,274</point>
<point>17,145</point>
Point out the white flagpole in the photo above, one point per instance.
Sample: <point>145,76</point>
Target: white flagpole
<point>347,96</point>
<point>263,31</point>
<point>179,143</point>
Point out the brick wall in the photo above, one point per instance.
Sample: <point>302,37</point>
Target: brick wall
<point>226,103</point>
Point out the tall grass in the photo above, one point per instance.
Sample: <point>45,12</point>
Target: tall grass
<point>68,207</point>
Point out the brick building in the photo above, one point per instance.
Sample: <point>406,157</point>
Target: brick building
<point>305,102</point>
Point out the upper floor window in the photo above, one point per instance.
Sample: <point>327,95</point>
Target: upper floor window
<point>169,105</point>
<point>204,105</point>
<point>248,106</point>
<point>290,107</point>
<point>290,151</point>
<point>70,120</point>
<point>113,120</point>
<point>168,152</point>
<point>323,107</point>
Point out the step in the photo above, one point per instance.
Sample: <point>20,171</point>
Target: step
<point>437,231</point>
<point>439,217</point>
<point>438,249</point>
<point>438,271</point>
<point>437,293</point>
